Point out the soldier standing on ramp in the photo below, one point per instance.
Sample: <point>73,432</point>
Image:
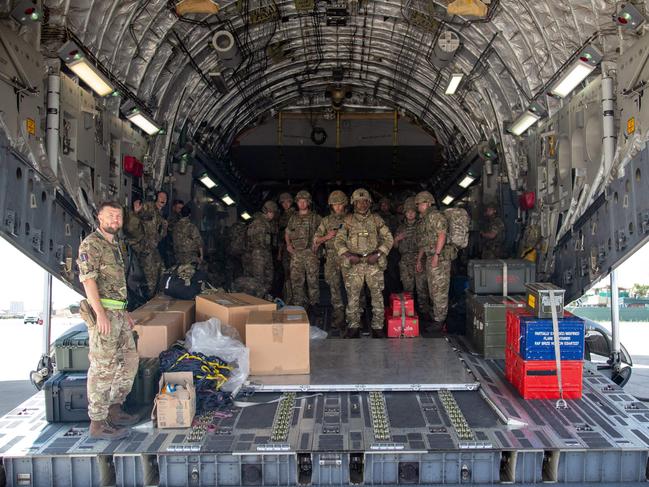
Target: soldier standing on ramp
<point>363,244</point>
<point>113,358</point>
<point>187,240</point>
<point>154,227</point>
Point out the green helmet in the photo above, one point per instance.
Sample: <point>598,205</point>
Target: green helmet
<point>410,204</point>
<point>337,198</point>
<point>361,194</point>
<point>285,197</point>
<point>270,207</point>
<point>424,197</point>
<point>303,195</point>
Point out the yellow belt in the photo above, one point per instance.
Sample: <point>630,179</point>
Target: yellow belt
<point>113,304</point>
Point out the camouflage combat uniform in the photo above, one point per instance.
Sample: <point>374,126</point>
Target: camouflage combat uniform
<point>439,279</point>
<point>305,266</point>
<point>155,229</point>
<point>493,248</point>
<point>260,241</point>
<point>332,266</point>
<point>187,242</point>
<point>235,237</point>
<point>286,257</point>
<point>363,235</point>
<point>113,358</point>
<point>412,280</point>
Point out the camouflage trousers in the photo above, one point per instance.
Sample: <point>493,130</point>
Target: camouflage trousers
<point>305,271</point>
<point>113,365</point>
<point>186,258</point>
<point>355,276</point>
<point>439,280</point>
<point>286,266</point>
<point>151,264</point>
<point>414,282</point>
<point>260,268</point>
<point>334,277</point>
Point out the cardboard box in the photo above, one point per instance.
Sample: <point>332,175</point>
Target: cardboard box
<point>278,342</point>
<point>175,410</point>
<point>165,304</point>
<point>231,308</point>
<point>397,328</point>
<point>156,331</point>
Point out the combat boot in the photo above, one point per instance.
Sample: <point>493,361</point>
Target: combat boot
<point>103,430</point>
<point>119,417</point>
<point>378,333</point>
<point>353,333</point>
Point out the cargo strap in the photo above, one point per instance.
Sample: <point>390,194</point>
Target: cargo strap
<point>403,314</point>
<point>113,304</point>
<point>561,403</point>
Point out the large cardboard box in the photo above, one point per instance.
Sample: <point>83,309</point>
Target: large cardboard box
<point>165,304</point>
<point>156,331</point>
<point>231,308</point>
<point>278,342</point>
<point>175,409</point>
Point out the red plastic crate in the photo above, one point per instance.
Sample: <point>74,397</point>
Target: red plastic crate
<point>513,326</point>
<point>408,304</point>
<point>408,329</point>
<point>510,363</point>
<point>537,379</point>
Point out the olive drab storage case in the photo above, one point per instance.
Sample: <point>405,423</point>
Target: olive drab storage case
<point>71,349</point>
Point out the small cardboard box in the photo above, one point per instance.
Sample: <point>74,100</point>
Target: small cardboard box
<point>156,331</point>
<point>278,342</point>
<point>231,308</point>
<point>165,304</point>
<point>175,410</point>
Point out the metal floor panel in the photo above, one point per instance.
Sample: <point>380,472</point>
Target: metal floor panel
<point>418,364</point>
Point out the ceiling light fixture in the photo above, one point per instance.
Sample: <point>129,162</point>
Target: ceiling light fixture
<point>466,182</point>
<point>79,64</point>
<point>585,64</point>
<point>448,199</point>
<point>246,216</point>
<point>143,121</point>
<point>227,200</point>
<point>454,83</point>
<point>207,181</point>
<point>532,115</point>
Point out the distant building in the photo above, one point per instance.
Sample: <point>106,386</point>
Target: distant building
<point>16,307</point>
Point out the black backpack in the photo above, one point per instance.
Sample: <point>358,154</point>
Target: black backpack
<point>179,286</point>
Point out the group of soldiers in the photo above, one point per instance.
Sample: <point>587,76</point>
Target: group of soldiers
<point>358,248</point>
<point>146,229</point>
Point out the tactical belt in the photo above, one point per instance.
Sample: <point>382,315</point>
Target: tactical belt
<point>113,304</point>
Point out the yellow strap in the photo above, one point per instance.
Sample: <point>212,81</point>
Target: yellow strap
<point>112,303</point>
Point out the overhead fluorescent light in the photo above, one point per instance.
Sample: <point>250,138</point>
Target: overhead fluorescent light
<point>578,73</point>
<point>456,79</point>
<point>227,200</point>
<point>246,216</point>
<point>91,76</point>
<point>145,123</point>
<point>448,200</point>
<point>207,181</point>
<point>466,182</point>
<point>532,115</point>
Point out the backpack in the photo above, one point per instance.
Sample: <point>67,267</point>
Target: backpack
<point>184,282</point>
<point>458,227</point>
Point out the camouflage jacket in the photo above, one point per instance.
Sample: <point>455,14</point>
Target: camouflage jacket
<point>186,238</point>
<point>261,234</point>
<point>301,229</point>
<point>390,219</point>
<point>284,218</point>
<point>494,224</point>
<point>328,223</point>
<point>153,225</point>
<point>409,244</point>
<point>236,238</point>
<point>364,234</point>
<point>103,261</point>
<point>173,219</point>
<point>132,229</point>
<point>428,230</point>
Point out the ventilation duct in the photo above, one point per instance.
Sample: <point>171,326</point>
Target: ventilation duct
<point>445,49</point>
<point>226,48</point>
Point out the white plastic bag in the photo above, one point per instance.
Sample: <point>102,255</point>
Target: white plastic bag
<point>317,333</point>
<point>214,338</point>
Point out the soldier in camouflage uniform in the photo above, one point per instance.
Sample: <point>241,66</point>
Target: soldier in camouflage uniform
<point>493,234</point>
<point>326,234</point>
<point>155,229</point>
<point>286,202</point>
<point>392,271</point>
<point>168,243</point>
<point>406,241</point>
<point>187,240</point>
<point>305,266</point>
<point>437,265</point>
<point>235,236</point>
<point>113,358</point>
<point>260,241</point>
<point>363,243</point>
